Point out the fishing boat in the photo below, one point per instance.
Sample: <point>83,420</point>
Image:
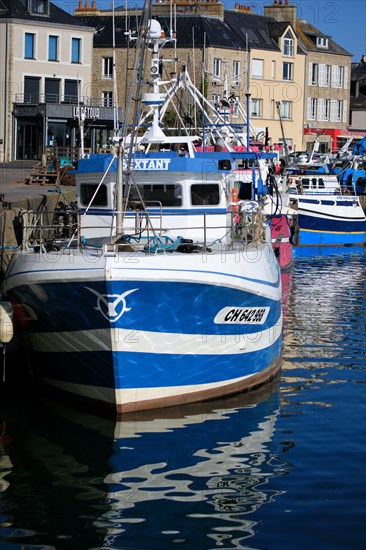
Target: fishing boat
<point>280,205</point>
<point>328,213</point>
<point>168,290</point>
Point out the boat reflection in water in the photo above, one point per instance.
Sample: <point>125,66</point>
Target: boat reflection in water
<point>192,475</point>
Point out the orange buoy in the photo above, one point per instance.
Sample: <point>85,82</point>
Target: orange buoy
<point>235,198</point>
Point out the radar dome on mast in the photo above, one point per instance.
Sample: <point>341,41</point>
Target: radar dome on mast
<point>154,29</point>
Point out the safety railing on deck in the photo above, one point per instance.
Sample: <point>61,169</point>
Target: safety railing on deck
<point>61,229</point>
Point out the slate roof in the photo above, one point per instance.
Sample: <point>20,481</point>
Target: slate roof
<point>358,71</point>
<point>209,30</point>
<point>358,75</point>
<point>255,26</point>
<point>263,32</point>
<point>15,9</point>
<point>307,34</point>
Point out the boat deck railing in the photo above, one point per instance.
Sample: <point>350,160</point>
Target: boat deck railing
<point>49,231</point>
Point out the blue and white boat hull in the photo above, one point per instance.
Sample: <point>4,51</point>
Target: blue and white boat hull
<point>331,220</point>
<point>146,331</point>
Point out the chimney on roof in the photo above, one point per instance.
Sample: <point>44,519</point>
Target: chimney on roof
<point>281,11</point>
<point>241,8</point>
<point>87,10</point>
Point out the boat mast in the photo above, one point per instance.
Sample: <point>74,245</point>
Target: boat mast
<point>134,92</point>
<point>115,89</point>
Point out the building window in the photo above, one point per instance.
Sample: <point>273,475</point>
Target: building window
<point>313,74</point>
<point>75,50</point>
<point>272,108</point>
<point>328,72</point>
<point>322,42</point>
<point>288,45</point>
<point>52,90</point>
<point>287,71</point>
<point>321,108</point>
<point>52,48</point>
<point>336,110</point>
<point>326,109</point>
<point>107,67</point>
<point>273,70</point>
<point>339,111</point>
<point>39,7</point>
<point>107,99</point>
<point>31,89</point>
<point>216,67</point>
<point>29,40</point>
<point>312,108</point>
<point>256,107</point>
<point>286,109</point>
<point>340,77</point>
<point>71,91</point>
<point>257,68</point>
<point>236,72</point>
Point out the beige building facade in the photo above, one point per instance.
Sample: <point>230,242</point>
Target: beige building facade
<point>327,70</point>
<point>277,91</point>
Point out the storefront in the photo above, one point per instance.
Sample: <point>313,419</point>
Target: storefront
<point>39,126</point>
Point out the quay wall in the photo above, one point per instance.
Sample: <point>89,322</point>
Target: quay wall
<point>17,197</point>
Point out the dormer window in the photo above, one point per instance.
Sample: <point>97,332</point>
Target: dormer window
<point>39,7</point>
<point>288,45</point>
<point>322,42</point>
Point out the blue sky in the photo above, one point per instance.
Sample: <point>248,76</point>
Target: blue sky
<point>344,20</point>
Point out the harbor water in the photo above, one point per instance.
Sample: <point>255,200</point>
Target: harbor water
<point>283,468</point>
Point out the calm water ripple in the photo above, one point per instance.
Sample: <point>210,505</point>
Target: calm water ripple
<point>280,469</point>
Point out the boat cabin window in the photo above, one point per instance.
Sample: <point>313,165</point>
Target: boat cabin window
<point>205,194</point>
<point>321,183</point>
<point>87,191</point>
<point>167,194</point>
<point>245,164</point>
<point>306,183</point>
<point>313,183</point>
<point>224,165</point>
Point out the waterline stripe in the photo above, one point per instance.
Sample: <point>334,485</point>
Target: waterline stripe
<point>134,341</point>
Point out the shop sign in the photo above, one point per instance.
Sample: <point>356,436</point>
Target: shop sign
<point>85,112</point>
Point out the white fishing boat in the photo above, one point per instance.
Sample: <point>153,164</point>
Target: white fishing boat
<point>328,213</point>
<point>168,291</point>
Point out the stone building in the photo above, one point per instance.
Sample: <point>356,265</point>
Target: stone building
<point>326,76</point>
<point>232,54</point>
<point>45,71</point>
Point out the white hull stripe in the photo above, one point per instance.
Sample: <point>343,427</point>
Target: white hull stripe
<point>138,395</point>
<point>134,341</point>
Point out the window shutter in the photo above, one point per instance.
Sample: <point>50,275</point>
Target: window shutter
<point>310,73</point>
<point>321,106</point>
<point>322,75</point>
<point>345,110</point>
<point>333,110</point>
<point>334,76</point>
<point>345,85</point>
<point>309,108</point>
